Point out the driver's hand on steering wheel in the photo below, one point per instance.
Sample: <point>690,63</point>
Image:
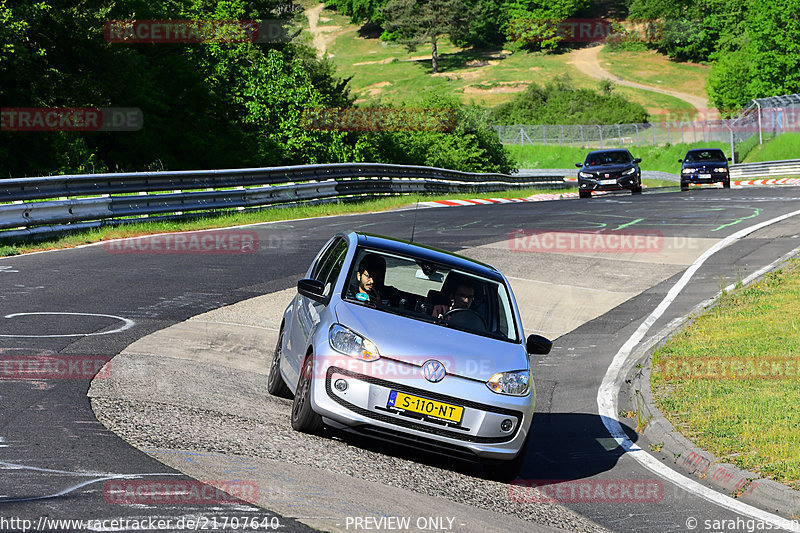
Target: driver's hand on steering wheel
<point>439,310</point>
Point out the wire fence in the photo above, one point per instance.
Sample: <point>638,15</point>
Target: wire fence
<point>760,120</point>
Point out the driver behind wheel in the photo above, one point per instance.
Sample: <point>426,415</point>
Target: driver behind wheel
<point>460,298</point>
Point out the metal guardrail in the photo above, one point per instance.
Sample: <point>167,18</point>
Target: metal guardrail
<point>766,169</point>
<point>50,205</point>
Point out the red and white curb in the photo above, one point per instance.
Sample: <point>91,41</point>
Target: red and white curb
<point>568,195</point>
<point>492,201</point>
<point>780,181</point>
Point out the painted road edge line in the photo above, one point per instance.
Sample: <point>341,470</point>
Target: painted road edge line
<point>612,381</point>
<point>687,455</point>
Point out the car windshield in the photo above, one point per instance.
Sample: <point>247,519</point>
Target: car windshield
<point>705,155</point>
<point>431,292</point>
<point>608,158</point>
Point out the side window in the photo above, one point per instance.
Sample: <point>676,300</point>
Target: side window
<point>330,265</point>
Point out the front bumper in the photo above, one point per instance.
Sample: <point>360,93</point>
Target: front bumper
<point>608,184</point>
<point>364,407</point>
<point>705,178</point>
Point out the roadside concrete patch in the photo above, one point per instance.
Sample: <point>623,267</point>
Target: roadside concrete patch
<point>319,495</point>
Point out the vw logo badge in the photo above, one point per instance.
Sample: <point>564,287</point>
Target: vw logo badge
<point>433,371</point>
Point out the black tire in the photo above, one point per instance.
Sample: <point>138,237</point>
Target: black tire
<point>726,184</point>
<point>275,384</point>
<point>584,194</point>
<point>637,190</point>
<point>684,187</point>
<point>507,471</point>
<point>304,419</point>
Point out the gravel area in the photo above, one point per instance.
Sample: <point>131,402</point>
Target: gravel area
<point>149,425</point>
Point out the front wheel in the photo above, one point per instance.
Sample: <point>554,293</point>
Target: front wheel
<point>726,184</point>
<point>684,187</point>
<point>275,384</point>
<point>584,194</point>
<point>637,190</point>
<point>304,419</point>
<point>507,471</point>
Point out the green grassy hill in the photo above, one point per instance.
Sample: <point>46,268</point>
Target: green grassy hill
<point>387,72</point>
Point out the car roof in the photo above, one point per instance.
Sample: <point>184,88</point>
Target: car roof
<point>428,253</point>
<point>704,150</point>
<point>608,151</point>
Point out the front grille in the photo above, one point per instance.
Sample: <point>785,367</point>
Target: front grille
<point>410,422</point>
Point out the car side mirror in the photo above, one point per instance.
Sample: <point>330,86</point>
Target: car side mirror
<point>312,288</point>
<point>637,160</point>
<point>579,165</point>
<point>680,160</point>
<point>538,345</point>
<point>729,159</point>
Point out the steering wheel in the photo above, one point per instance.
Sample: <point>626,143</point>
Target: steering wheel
<point>465,318</point>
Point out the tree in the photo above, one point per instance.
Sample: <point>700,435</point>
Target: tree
<point>767,60</point>
<point>690,30</point>
<point>534,23</point>
<point>418,22</point>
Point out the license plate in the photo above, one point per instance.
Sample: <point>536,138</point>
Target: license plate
<point>608,182</point>
<point>424,406</point>
<point>704,176</point>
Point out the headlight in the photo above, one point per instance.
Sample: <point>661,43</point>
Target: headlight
<point>511,383</point>
<point>629,171</point>
<point>720,169</point>
<point>345,341</point>
<point>585,175</point>
<point>689,170</point>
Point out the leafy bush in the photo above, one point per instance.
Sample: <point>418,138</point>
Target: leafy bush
<point>560,103</point>
<point>471,146</point>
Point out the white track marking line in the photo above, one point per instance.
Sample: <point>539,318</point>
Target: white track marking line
<point>607,396</point>
<point>127,324</point>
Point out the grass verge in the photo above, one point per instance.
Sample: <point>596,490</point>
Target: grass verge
<point>730,381</point>
<point>247,217</point>
<point>780,147</point>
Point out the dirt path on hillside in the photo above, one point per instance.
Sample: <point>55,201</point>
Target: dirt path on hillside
<point>321,37</point>
<point>586,60</point>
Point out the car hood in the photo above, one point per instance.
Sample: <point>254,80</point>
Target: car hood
<point>414,342</point>
<point>608,169</point>
<point>706,164</point>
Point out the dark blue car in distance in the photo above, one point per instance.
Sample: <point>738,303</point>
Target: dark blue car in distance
<point>609,170</point>
<point>706,165</point>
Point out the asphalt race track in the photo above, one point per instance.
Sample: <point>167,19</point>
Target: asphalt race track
<point>88,304</point>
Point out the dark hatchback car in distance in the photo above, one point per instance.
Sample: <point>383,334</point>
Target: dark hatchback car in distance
<point>706,165</point>
<point>609,170</point>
